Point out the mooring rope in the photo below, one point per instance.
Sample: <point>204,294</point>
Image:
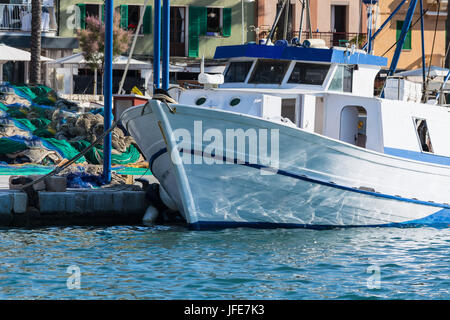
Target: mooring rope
<point>65,165</point>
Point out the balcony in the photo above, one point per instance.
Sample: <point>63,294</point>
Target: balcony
<point>332,39</point>
<point>17,18</point>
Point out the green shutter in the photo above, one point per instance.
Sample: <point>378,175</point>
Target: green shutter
<point>103,13</point>
<point>124,17</point>
<point>194,31</point>
<point>147,20</point>
<point>407,43</point>
<point>226,22</point>
<point>203,22</point>
<point>82,8</point>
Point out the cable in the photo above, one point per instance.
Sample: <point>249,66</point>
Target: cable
<point>65,165</point>
<point>410,27</point>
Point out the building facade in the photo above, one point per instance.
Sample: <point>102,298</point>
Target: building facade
<point>434,33</point>
<point>15,31</point>
<point>197,27</point>
<point>335,21</point>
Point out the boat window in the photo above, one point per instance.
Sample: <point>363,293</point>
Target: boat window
<point>342,79</point>
<point>424,135</point>
<point>307,73</point>
<point>288,109</point>
<point>237,71</point>
<point>269,71</point>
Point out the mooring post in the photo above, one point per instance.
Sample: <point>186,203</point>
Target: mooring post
<point>165,44</point>
<point>157,46</point>
<point>107,89</point>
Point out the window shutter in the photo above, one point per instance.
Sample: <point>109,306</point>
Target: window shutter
<point>194,31</point>
<point>124,17</point>
<point>147,20</point>
<point>203,22</point>
<point>103,13</point>
<point>407,43</point>
<point>82,8</point>
<point>226,32</point>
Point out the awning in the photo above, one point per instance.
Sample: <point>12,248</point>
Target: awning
<point>434,72</point>
<point>78,61</point>
<point>8,53</point>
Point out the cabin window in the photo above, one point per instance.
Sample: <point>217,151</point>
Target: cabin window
<point>269,71</point>
<point>237,71</point>
<point>342,79</point>
<point>424,135</point>
<point>288,109</point>
<point>306,73</point>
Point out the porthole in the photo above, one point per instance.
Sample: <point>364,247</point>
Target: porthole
<point>200,101</point>
<point>234,102</point>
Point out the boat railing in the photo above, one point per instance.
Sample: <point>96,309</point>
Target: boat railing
<point>332,39</point>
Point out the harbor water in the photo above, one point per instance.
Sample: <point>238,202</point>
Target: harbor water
<point>172,262</point>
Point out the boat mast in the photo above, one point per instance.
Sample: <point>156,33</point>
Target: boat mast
<point>301,21</point>
<point>269,37</point>
<point>403,34</point>
<point>286,21</point>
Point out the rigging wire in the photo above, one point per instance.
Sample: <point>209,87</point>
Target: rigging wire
<point>410,27</point>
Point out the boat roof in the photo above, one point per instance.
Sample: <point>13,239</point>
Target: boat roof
<point>280,52</point>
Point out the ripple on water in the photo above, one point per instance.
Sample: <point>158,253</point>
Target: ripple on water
<point>165,262</point>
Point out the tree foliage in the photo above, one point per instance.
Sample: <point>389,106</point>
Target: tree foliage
<point>92,40</point>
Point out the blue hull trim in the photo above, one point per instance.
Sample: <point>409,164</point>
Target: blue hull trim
<point>440,219</point>
<point>418,156</point>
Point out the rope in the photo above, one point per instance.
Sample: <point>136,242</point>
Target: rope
<point>58,169</point>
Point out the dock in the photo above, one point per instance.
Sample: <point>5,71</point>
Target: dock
<point>120,204</point>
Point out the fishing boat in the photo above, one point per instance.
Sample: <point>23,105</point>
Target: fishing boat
<point>294,137</point>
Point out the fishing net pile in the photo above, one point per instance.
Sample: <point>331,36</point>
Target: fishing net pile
<point>39,128</point>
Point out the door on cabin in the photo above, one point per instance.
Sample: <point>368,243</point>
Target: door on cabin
<point>353,126</point>
<point>177,31</point>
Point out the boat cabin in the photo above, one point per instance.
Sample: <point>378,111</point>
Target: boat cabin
<point>292,67</point>
<point>325,91</point>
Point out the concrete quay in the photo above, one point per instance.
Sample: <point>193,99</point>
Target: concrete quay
<point>73,207</point>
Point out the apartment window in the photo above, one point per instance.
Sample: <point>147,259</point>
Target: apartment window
<point>307,73</point>
<point>134,13</point>
<point>130,15</point>
<point>213,21</point>
<point>93,10</point>
<point>205,21</point>
<point>423,134</point>
<point>407,43</point>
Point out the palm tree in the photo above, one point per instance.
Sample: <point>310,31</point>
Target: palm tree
<point>35,64</point>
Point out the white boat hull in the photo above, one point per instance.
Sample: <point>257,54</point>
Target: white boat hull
<point>318,182</point>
